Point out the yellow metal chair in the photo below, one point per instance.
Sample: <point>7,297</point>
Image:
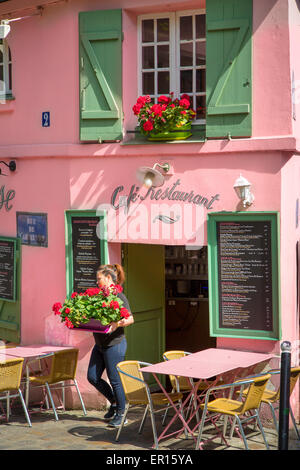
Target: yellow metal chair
<point>181,384</point>
<point>235,408</point>
<point>10,380</point>
<point>138,393</point>
<point>272,397</point>
<point>62,369</point>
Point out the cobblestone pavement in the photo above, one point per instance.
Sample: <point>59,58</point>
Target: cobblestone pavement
<point>74,431</point>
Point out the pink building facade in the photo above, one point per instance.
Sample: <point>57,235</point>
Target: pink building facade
<point>65,169</point>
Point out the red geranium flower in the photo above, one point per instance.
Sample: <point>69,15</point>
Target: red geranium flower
<point>184,103</point>
<point>57,306</point>
<point>148,126</point>
<point>124,313</point>
<point>164,99</point>
<point>114,304</point>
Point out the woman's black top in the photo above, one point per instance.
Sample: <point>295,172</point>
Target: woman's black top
<point>110,339</point>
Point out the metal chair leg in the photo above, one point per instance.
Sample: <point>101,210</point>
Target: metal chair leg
<point>262,431</point>
<point>143,419</point>
<point>242,432</point>
<point>201,429</point>
<point>51,401</point>
<point>80,397</point>
<point>122,422</point>
<point>24,408</point>
<point>294,423</point>
<point>153,426</point>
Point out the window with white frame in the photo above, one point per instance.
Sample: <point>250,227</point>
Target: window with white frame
<point>5,69</point>
<point>172,57</point>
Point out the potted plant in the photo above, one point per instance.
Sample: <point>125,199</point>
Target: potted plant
<point>168,119</point>
<point>92,310</point>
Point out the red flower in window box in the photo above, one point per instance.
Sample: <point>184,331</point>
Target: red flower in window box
<point>167,115</point>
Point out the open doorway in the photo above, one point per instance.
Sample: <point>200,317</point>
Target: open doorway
<point>186,299</point>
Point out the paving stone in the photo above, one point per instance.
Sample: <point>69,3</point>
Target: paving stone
<point>74,431</point>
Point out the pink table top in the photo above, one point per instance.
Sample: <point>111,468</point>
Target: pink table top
<point>208,363</point>
<point>32,350</point>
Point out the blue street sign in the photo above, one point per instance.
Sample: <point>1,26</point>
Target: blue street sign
<point>46,119</point>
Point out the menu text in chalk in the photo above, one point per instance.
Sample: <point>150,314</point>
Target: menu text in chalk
<point>86,252</point>
<point>7,270</point>
<point>245,275</point>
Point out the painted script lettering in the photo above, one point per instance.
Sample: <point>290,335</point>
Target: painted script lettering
<point>6,197</point>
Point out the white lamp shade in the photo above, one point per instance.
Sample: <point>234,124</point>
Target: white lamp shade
<point>150,177</point>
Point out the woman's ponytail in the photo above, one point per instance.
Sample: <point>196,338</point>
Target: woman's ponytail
<point>115,271</point>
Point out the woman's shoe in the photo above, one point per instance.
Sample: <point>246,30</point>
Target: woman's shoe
<point>111,412</point>
<point>117,420</point>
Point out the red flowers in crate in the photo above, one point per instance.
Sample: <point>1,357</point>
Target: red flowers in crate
<point>165,115</point>
<point>98,303</point>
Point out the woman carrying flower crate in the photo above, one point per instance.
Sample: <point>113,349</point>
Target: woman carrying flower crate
<point>110,348</point>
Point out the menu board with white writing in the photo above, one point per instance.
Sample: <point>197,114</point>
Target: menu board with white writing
<point>243,272</point>
<point>86,252</point>
<point>245,275</point>
<point>7,269</point>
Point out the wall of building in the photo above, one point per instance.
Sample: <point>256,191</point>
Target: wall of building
<point>45,71</point>
<point>55,172</point>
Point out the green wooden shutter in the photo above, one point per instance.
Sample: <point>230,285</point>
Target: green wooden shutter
<point>100,62</point>
<point>229,68</point>
<point>10,310</point>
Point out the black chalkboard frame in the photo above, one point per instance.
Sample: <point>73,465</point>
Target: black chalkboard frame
<point>216,329</point>
<point>13,241</point>
<point>69,215</point>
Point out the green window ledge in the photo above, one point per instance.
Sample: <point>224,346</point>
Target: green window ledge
<point>198,135</point>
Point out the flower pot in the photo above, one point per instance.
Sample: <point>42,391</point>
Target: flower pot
<point>93,325</point>
<point>178,133</point>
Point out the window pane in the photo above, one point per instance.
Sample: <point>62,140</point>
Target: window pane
<point>163,82</point>
<point>186,81</point>
<point>163,56</point>
<point>148,57</point>
<point>186,27</point>
<point>186,54</point>
<point>147,30</point>
<point>1,56</point>
<point>148,83</point>
<point>200,53</point>
<point>9,54</point>
<point>200,80</point>
<point>200,26</point>
<point>200,107</point>
<point>163,29</point>
<point>1,76</point>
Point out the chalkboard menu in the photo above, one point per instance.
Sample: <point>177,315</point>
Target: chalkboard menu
<point>86,252</point>
<point>244,265</point>
<point>7,269</point>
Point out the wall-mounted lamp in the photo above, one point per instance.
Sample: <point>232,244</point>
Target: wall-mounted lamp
<point>242,189</point>
<point>11,165</point>
<point>152,177</point>
<point>4,29</point>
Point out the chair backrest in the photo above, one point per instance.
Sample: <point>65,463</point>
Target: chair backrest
<point>10,374</point>
<point>176,354</point>
<point>133,382</point>
<point>295,373</point>
<point>255,392</point>
<point>63,366</point>
<point>294,376</point>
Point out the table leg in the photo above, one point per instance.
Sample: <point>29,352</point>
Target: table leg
<point>178,413</point>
